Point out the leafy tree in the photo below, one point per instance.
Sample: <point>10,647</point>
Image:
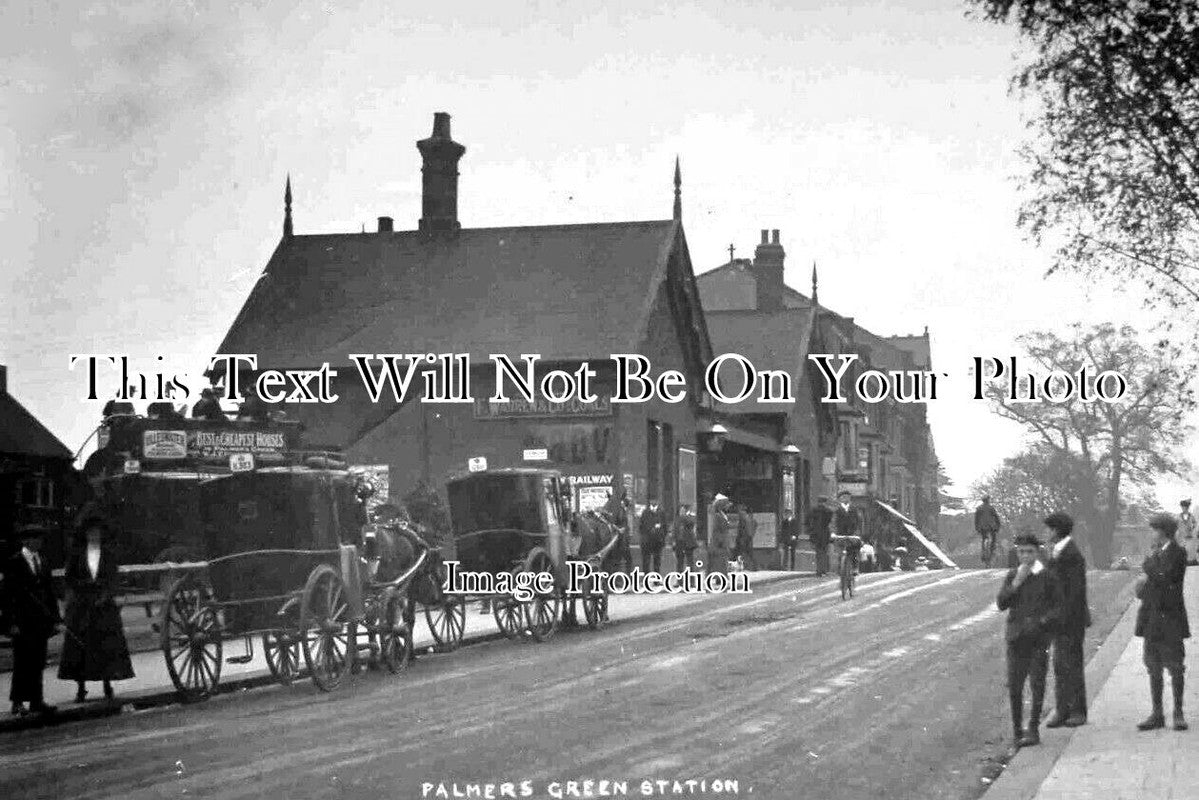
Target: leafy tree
<point>1114,158</point>
<point>1030,485</point>
<point>1105,446</point>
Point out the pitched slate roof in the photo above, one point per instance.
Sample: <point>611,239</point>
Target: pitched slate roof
<point>567,292</point>
<point>22,434</point>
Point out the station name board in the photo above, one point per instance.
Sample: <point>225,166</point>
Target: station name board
<point>540,407</point>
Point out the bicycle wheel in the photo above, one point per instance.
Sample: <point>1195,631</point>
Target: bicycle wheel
<point>846,589</point>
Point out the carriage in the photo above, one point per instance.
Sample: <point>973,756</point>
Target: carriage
<point>514,521</point>
<point>273,532</point>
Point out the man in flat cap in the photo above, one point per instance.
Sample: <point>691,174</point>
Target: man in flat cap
<point>1162,619</point>
<point>1032,597</point>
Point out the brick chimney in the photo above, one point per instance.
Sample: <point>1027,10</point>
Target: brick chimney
<point>386,225</point>
<point>768,271</point>
<point>3,380</point>
<point>439,178</point>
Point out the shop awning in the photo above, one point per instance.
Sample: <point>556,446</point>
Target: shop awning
<point>920,537</point>
<point>749,438</point>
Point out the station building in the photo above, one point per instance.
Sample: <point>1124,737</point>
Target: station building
<point>568,293</point>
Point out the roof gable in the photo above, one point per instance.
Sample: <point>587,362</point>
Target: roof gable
<point>22,434</point>
<point>567,292</point>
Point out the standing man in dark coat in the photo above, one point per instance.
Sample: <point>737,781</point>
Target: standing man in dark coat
<point>746,527</point>
<point>621,515</point>
<point>30,614</point>
<point>652,526</point>
<point>819,520</point>
<point>95,648</point>
<point>1067,564</point>
<point>684,539</point>
<point>1032,597</point>
<point>719,533</point>
<point>788,539</point>
<point>1162,619</point>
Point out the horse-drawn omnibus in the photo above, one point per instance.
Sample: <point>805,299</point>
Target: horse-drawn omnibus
<point>256,538</point>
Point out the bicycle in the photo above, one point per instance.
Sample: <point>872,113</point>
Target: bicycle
<point>847,569</point>
<point>988,547</point>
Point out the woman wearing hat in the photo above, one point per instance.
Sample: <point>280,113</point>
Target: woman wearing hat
<point>94,648</point>
<point>1187,532</point>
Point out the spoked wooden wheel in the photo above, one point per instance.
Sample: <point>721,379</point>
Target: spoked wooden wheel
<point>327,631</point>
<point>544,611</point>
<point>509,617</point>
<point>447,622</point>
<point>595,609</point>
<point>395,636</point>
<point>190,637</point>
<point>282,650</point>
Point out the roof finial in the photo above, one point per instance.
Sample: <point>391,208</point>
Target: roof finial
<point>287,231</point>
<point>678,191</point>
<point>815,298</point>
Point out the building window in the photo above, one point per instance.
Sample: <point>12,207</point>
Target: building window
<point>669,473</point>
<point>37,493</point>
<point>846,452</point>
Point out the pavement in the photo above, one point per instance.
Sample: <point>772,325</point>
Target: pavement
<point>1108,757</point>
<point>786,693</point>
<point>151,685</point>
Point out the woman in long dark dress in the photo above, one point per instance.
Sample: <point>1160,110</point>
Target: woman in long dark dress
<point>94,648</point>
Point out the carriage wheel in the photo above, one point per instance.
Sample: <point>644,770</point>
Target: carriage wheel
<point>395,637</point>
<point>327,633</point>
<point>190,637</point>
<point>595,609</point>
<point>543,612</point>
<point>508,616</point>
<point>282,650</point>
<point>447,622</point>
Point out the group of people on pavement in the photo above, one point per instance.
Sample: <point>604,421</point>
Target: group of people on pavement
<point>94,646</point>
<point>1045,595</point>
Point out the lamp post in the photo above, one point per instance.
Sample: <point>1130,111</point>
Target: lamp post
<point>789,455</point>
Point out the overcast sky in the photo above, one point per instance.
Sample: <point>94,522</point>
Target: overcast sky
<point>145,147</point>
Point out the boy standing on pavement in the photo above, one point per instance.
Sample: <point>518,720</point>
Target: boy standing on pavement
<point>1068,565</point>
<point>1162,619</point>
<point>1032,597</point>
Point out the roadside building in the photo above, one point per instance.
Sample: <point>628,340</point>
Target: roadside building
<point>882,453</point>
<point>569,293</point>
<point>36,476</point>
<point>773,453</point>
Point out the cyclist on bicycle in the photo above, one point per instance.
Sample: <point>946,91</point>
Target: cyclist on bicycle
<point>986,523</point>
<point>847,529</point>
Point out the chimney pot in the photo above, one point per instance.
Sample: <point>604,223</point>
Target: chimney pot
<point>386,225</point>
<point>765,236</point>
<point>441,125</point>
<point>775,236</point>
